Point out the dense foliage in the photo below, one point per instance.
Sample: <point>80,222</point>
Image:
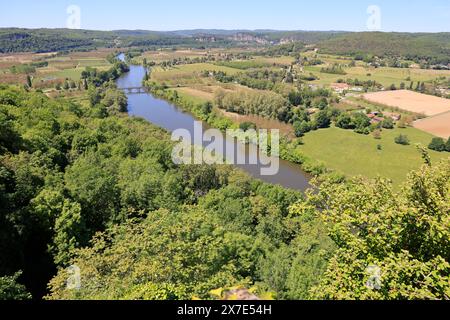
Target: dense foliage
<point>427,49</point>
<point>263,103</point>
<point>391,245</point>
<point>99,190</point>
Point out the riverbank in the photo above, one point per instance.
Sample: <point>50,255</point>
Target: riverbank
<point>173,113</point>
<point>216,119</point>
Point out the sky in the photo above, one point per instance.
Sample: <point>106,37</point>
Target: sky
<point>165,15</point>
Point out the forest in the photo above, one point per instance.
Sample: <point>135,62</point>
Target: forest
<point>74,176</point>
<point>419,47</point>
<point>85,185</point>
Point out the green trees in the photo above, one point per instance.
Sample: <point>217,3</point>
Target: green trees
<point>344,121</point>
<point>67,174</point>
<point>10,289</point>
<point>108,96</point>
<point>242,232</point>
<point>387,123</point>
<point>439,145</point>
<point>390,245</point>
<point>265,104</point>
<point>357,121</point>
<point>361,123</point>
<point>323,119</point>
<point>334,69</point>
<point>301,128</point>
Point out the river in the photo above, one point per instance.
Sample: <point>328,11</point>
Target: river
<point>171,118</point>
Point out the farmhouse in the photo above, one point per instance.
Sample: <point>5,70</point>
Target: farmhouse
<point>339,87</point>
<point>392,115</point>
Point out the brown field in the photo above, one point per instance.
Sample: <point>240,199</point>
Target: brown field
<point>438,125</point>
<point>24,57</point>
<point>204,92</point>
<point>411,101</point>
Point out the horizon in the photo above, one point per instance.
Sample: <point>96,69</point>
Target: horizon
<point>226,30</point>
<point>411,16</point>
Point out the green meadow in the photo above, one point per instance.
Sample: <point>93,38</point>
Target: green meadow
<point>354,154</point>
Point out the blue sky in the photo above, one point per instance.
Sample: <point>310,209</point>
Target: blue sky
<point>350,15</point>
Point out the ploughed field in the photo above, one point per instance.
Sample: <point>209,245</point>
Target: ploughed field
<point>411,101</point>
<point>436,109</point>
<point>438,125</point>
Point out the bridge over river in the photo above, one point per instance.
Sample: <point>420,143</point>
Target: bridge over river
<point>135,90</point>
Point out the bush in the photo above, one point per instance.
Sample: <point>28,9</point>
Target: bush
<point>377,134</point>
<point>323,119</point>
<point>344,121</point>
<point>301,128</point>
<point>402,139</point>
<point>437,144</point>
<point>387,123</point>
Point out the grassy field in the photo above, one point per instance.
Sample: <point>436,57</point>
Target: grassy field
<point>354,154</point>
<point>59,67</point>
<point>168,55</point>
<point>341,150</point>
<point>189,74</point>
<point>385,76</point>
<point>284,60</point>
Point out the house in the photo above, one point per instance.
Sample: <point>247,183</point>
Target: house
<point>376,120</point>
<point>392,115</point>
<point>339,87</point>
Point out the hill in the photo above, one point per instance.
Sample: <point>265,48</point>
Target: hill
<point>432,47</point>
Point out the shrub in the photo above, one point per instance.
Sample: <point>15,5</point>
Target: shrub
<point>387,123</point>
<point>301,128</point>
<point>402,139</point>
<point>437,144</point>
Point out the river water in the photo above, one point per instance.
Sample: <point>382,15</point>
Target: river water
<point>169,117</point>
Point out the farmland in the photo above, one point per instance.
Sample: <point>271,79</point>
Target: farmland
<point>438,125</point>
<point>341,150</point>
<point>90,179</point>
<point>354,154</point>
<point>59,67</point>
<point>411,101</point>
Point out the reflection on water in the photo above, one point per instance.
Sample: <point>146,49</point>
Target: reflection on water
<point>169,117</point>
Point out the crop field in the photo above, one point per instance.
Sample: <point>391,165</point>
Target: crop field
<point>354,154</point>
<point>438,125</point>
<point>283,60</point>
<point>411,101</point>
<point>58,69</point>
<point>167,55</point>
<point>189,73</point>
<point>384,75</point>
